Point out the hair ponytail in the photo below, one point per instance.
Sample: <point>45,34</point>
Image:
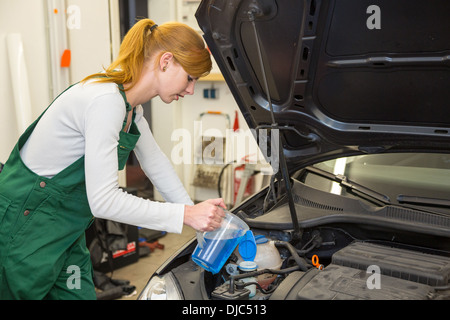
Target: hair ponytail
<point>128,66</point>
<point>145,39</point>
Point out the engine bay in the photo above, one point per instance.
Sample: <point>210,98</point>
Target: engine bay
<point>346,250</point>
<point>359,271</point>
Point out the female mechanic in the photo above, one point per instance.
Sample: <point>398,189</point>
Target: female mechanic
<point>63,171</point>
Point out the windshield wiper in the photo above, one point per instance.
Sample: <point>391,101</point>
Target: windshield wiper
<point>345,182</point>
<point>401,198</point>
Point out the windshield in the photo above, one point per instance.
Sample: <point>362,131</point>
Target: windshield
<point>412,174</point>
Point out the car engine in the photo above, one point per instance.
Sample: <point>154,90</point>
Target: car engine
<point>359,271</point>
<point>345,250</point>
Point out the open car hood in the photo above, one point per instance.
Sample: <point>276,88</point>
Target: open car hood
<point>339,77</point>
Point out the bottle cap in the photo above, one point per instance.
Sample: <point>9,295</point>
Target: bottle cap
<point>247,246</point>
<point>248,266</point>
<point>260,239</point>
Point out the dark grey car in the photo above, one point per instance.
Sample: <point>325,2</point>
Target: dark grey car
<point>353,97</point>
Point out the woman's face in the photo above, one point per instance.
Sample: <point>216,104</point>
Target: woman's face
<point>175,82</point>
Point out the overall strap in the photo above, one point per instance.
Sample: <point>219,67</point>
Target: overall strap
<point>122,92</point>
<point>127,105</point>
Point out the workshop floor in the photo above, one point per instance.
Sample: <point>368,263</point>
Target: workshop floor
<point>139,273</point>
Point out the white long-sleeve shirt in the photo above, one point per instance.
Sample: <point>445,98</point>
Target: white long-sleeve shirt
<point>86,120</point>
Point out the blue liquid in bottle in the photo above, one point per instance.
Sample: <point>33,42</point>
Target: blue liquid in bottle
<point>215,253</point>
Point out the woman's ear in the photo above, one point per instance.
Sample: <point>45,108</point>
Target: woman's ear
<point>165,60</point>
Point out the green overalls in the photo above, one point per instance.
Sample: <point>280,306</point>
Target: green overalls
<point>43,252</point>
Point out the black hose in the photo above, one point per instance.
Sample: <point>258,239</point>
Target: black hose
<point>242,284</point>
<point>219,182</point>
<point>303,265</point>
<point>257,273</point>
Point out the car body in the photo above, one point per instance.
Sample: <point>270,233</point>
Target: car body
<point>357,91</point>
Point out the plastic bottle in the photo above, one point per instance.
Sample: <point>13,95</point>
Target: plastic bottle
<point>215,247</point>
<point>267,257</point>
<point>263,252</point>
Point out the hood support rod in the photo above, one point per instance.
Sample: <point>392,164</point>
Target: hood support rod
<point>282,163</point>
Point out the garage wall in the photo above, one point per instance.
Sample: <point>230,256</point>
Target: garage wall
<point>26,20</point>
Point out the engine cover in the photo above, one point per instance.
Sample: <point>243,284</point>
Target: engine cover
<point>369,272</point>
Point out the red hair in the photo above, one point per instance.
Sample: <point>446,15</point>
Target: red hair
<point>145,39</point>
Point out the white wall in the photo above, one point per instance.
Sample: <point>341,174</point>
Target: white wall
<point>26,18</point>
<point>93,45</point>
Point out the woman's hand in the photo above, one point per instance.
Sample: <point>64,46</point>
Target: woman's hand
<point>206,215</point>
